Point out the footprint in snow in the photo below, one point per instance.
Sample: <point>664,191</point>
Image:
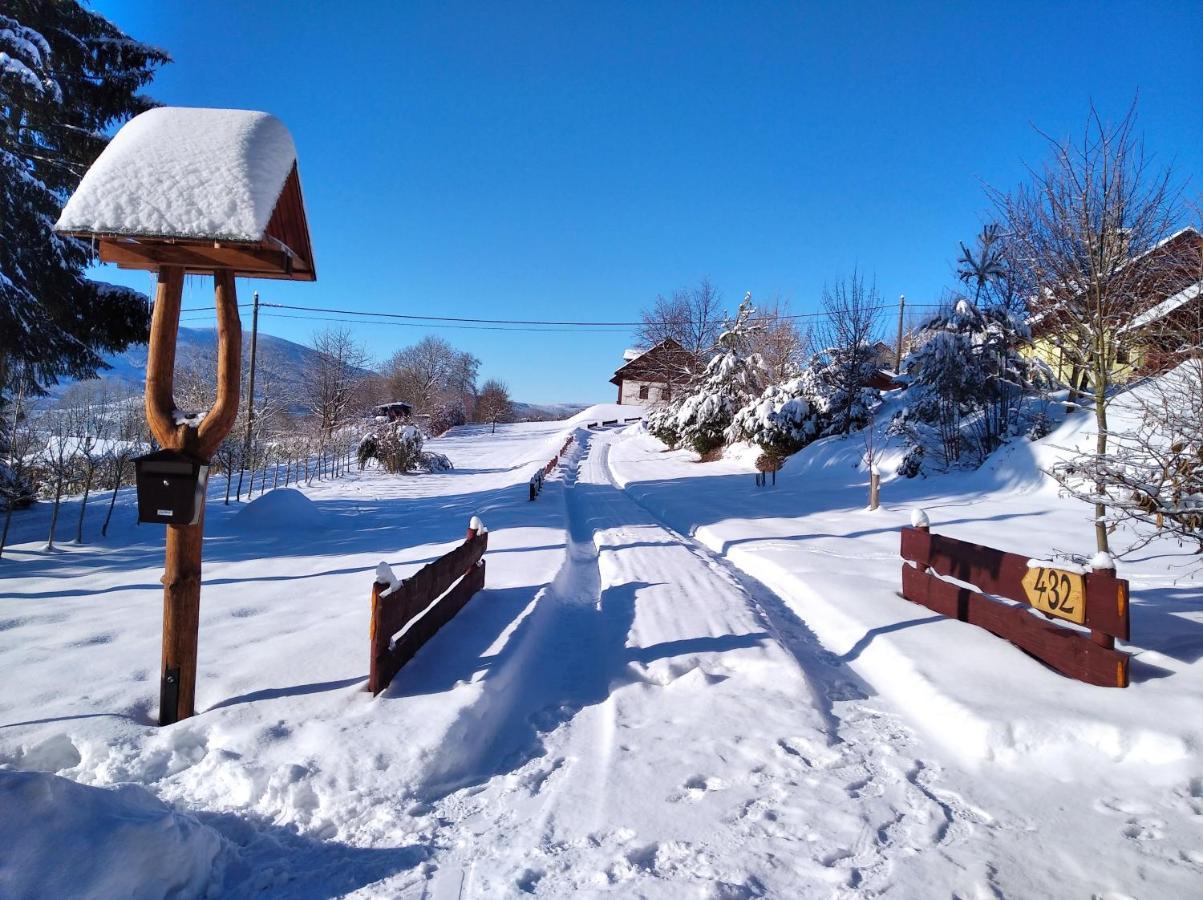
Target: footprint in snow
<point>1144,829</point>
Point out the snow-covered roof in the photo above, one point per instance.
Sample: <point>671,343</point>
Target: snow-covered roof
<point>186,173</point>
<point>1165,307</point>
<point>633,353</point>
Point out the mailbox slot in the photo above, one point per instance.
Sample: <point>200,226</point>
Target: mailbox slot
<point>171,487</point>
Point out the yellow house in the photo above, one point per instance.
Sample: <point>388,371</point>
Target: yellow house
<point>1165,300</point>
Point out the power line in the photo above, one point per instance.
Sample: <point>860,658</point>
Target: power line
<point>527,322</point>
<point>526,329</point>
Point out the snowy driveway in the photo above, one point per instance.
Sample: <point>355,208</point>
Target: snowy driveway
<point>663,730</point>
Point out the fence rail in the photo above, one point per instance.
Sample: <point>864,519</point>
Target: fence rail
<point>536,480</point>
<point>425,602</point>
<point>1095,600</point>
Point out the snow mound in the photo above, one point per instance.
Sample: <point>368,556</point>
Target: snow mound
<point>187,173</point>
<point>280,509</point>
<point>121,842</point>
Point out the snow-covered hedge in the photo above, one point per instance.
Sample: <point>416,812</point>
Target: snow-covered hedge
<point>398,449</point>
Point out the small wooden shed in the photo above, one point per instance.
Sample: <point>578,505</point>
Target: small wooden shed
<point>202,189</point>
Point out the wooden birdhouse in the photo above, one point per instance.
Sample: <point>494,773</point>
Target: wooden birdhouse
<point>192,191</point>
<point>202,189</point>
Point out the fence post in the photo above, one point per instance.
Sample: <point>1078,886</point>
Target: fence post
<point>874,488</point>
<point>1103,564</point>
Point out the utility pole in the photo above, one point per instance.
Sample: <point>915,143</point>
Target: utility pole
<point>897,348</point>
<point>250,392</point>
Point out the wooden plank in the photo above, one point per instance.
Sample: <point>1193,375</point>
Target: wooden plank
<point>250,259</point>
<point>424,628</point>
<point>392,612</point>
<point>420,590</point>
<point>1069,652</point>
<point>997,572</point>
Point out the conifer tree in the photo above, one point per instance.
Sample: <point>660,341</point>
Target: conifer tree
<point>734,375</point>
<point>67,76</point>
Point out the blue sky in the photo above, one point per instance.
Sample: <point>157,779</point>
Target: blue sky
<point>570,161</point>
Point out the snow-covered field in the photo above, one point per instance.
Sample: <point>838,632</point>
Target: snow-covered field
<point>674,684</point>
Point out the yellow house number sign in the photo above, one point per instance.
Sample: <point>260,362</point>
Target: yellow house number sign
<point>1057,592</point>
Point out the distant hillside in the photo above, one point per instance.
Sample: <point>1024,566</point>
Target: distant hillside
<point>546,412</point>
<point>282,360</point>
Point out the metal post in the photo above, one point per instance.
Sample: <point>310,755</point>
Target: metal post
<point>250,395</point>
<point>897,349</point>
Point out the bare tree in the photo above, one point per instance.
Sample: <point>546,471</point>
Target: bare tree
<point>494,405</point>
<point>431,372</point>
<point>693,317</point>
<point>20,444</point>
<point>58,459</point>
<point>91,420</point>
<point>777,339</point>
<point>1153,471</point>
<point>852,316</point>
<point>129,439</point>
<point>333,375</point>
<point>1084,228</point>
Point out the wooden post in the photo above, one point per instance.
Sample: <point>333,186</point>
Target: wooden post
<point>898,348</point>
<point>182,568</point>
<point>874,488</point>
<point>1104,566</point>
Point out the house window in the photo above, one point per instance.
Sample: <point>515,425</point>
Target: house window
<point>667,393</point>
<point>1122,356</point>
<point>643,389</point>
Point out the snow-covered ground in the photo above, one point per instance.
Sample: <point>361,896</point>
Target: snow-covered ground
<point>674,684</point>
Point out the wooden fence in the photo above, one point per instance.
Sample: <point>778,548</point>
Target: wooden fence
<point>450,580</point>
<point>536,480</point>
<point>1097,601</point>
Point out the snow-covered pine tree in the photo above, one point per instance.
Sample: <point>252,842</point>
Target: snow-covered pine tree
<point>733,377</point>
<point>783,419</point>
<point>66,76</point>
<point>969,377</point>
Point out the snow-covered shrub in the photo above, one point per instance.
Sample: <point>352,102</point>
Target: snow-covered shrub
<point>17,489</point>
<point>782,420</point>
<point>661,423</point>
<point>397,447</point>
<point>434,462</point>
<point>733,377</point>
<point>912,462</point>
<point>969,381</point>
<point>447,415</point>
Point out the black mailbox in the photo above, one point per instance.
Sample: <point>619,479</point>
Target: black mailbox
<point>171,487</point>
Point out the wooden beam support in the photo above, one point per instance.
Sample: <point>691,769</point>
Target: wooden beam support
<point>182,566</point>
<point>270,260</point>
<point>160,356</point>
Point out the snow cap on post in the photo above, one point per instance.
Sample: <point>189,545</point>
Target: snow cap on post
<point>384,575</point>
<point>200,188</point>
<point>475,527</point>
<point>1102,560</point>
<point>919,518</point>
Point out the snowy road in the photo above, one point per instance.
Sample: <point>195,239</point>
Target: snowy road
<point>671,732</point>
